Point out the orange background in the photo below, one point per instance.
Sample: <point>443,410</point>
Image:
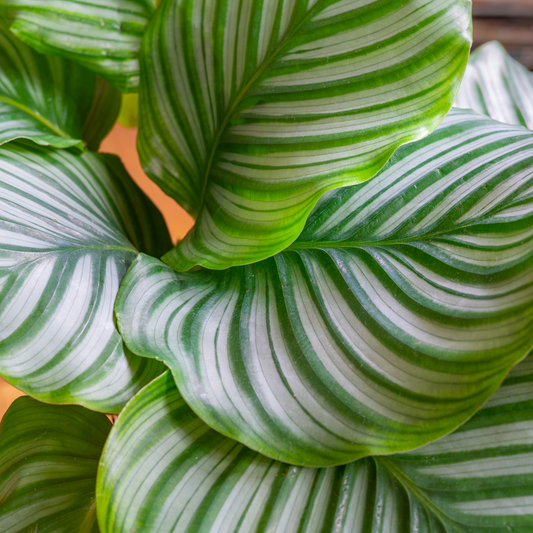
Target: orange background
<point>121,141</point>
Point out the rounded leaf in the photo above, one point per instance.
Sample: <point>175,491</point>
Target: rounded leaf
<point>70,226</point>
<point>250,111</point>
<point>164,471</point>
<point>388,323</point>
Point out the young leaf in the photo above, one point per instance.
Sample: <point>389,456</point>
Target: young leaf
<point>163,470</point>
<point>498,86</point>
<point>48,462</point>
<point>70,226</point>
<point>49,100</point>
<point>250,111</point>
<point>389,322</point>
<point>102,35</point>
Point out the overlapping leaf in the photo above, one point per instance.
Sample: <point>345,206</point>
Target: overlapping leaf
<point>104,112</point>
<point>164,470</point>
<point>498,86</point>
<point>390,321</point>
<point>251,110</point>
<point>48,462</point>
<point>49,100</point>
<point>70,226</point>
<point>102,35</point>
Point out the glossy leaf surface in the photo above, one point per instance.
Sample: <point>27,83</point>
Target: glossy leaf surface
<point>164,470</point>
<point>49,100</point>
<point>389,322</point>
<point>102,35</point>
<point>498,86</point>
<point>251,110</point>
<point>48,462</point>
<point>70,226</point>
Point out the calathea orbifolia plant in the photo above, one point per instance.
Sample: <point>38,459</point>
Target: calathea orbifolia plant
<point>313,317</point>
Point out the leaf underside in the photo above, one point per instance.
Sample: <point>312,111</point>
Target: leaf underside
<point>251,110</point>
<point>498,86</point>
<point>48,463</point>
<point>163,470</point>
<point>49,100</point>
<point>102,35</point>
<point>387,324</point>
<point>70,225</point>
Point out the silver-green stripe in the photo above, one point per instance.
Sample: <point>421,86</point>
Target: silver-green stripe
<point>389,321</point>
<point>49,100</point>
<point>69,228</point>
<point>165,471</point>
<point>498,86</point>
<point>251,110</point>
<point>102,35</point>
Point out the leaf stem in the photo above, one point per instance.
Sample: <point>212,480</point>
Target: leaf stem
<point>361,244</point>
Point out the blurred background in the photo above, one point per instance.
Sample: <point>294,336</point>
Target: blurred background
<point>507,21</point>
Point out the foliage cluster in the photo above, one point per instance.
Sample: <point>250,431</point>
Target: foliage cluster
<point>340,344</point>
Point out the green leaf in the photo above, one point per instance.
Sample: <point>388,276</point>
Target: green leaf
<point>250,111</point>
<point>102,35</point>
<point>49,100</point>
<point>389,322</point>
<point>163,470</point>
<point>498,86</point>
<point>48,462</point>
<point>70,226</point>
<point>103,114</point>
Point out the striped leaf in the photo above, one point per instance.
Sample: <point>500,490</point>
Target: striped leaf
<point>389,322</point>
<point>49,100</point>
<point>163,470</point>
<point>70,226</point>
<point>48,462</point>
<point>498,86</point>
<point>251,110</point>
<point>102,35</point>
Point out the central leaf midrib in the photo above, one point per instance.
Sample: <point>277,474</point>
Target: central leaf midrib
<point>318,245</point>
<point>241,94</point>
<point>36,116</point>
<point>410,486</point>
